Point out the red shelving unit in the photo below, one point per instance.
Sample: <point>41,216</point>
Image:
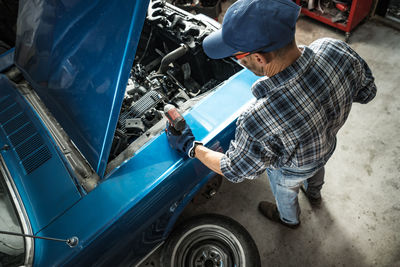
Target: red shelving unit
<point>358,11</point>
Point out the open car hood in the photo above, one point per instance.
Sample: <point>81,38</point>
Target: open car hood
<point>77,56</point>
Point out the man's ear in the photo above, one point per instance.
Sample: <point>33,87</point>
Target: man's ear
<point>262,58</point>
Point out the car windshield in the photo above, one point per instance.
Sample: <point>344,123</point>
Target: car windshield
<point>12,248</point>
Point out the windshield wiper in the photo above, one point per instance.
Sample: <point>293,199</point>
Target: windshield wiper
<point>71,242</point>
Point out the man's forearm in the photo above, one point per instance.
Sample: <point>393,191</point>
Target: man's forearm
<point>209,157</point>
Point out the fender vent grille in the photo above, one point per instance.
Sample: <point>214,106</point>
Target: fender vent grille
<point>27,142</point>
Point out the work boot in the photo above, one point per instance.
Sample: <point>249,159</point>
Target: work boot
<point>314,201</point>
<point>270,211</point>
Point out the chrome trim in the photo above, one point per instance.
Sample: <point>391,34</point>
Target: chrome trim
<point>23,216</point>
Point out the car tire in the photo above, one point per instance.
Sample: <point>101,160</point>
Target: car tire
<point>210,240</point>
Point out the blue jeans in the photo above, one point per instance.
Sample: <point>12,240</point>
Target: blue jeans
<point>285,184</point>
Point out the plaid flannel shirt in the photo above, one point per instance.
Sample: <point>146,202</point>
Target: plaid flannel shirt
<point>299,111</point>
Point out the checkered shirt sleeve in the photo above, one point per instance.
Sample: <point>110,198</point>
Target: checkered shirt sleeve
<point>299,111</point>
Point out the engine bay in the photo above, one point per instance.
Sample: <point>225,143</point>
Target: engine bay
<point>170,67</point>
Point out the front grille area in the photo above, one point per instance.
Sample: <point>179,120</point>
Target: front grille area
<point>27,142</point>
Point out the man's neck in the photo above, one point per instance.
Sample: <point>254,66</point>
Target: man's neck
<point>278,64</point>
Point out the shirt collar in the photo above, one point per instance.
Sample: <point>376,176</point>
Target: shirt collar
<point>263,86</point>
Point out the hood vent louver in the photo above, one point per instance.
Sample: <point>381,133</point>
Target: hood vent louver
<point>35,160</point>
<point>26,141</point>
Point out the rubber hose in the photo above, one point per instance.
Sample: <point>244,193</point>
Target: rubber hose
<point>171,57</point>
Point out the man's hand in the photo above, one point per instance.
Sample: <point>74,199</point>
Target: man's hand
<point>183,142</point>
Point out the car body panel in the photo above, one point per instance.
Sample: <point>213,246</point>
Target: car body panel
<point>6,59</point>
<point>129,212</point>
<point>133,208</point>
<point>38,170</point>
<point>80,70</point>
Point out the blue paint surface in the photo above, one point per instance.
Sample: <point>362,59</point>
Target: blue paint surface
<point>6,59</point>
<point>47,191</point>
<point>77,56</point>
<point>129,213</point>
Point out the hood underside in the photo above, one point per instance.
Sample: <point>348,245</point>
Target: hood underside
<point>77,56</point>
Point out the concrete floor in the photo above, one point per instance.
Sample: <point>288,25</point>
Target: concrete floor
<point>359,221</point>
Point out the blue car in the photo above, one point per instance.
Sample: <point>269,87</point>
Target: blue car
<point>87,176</point>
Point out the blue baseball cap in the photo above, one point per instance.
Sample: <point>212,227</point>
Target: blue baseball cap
<point>253,25</point>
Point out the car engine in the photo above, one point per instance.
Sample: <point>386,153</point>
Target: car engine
<point>170,67</point>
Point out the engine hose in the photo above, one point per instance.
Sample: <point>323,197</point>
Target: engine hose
<point>171,57</point>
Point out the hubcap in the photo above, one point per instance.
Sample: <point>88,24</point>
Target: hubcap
<point>209,256</point>
<point>208,246</point>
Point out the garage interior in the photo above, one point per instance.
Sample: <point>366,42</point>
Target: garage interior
<point>358,222</point>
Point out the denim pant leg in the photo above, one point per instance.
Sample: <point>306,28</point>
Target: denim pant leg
<point>313,185</point>
<point>285,184</point>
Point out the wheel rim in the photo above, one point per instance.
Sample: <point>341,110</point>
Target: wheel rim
<point>208,246</point>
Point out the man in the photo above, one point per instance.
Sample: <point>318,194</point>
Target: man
<point>303,98</point>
